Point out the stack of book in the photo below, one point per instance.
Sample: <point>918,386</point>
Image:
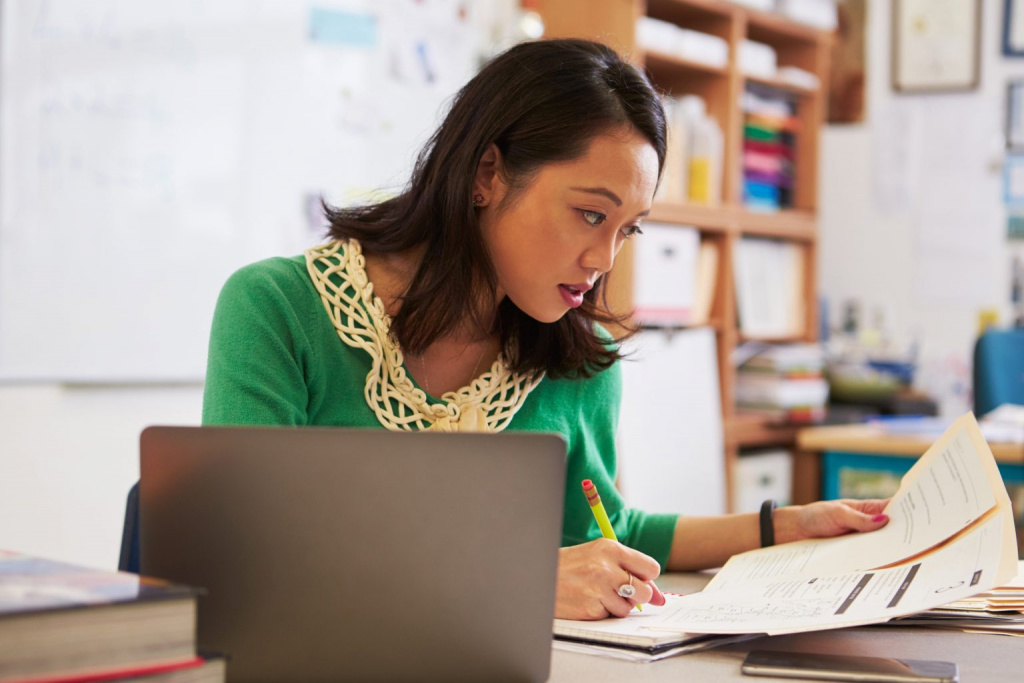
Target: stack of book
<point>786,383</point>
<point>61,623</point>
<point>769,141</point>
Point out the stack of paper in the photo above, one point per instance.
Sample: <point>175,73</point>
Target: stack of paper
<point>785,383</point>
<point>1000,610</point>
<point>675,41</point>
<point>820,14</point>
<point>1005,423</point>
<point>950,537</point>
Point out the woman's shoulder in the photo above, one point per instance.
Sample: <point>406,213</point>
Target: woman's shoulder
<point>270,283</point>
<point>590,384</point>
<point>283,271</point>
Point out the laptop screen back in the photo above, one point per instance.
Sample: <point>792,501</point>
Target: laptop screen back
<point>336,554</point>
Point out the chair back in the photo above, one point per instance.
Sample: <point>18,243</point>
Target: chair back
<point>129,560</point>
<point>998,369</point>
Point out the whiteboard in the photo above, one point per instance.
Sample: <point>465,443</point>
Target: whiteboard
<point>149,148</point>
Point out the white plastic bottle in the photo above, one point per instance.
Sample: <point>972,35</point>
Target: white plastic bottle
<point>707,148</point>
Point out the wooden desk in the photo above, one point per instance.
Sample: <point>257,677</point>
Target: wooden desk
<point>813,441</point>
<point>864,438</point>
<point>980,657</point>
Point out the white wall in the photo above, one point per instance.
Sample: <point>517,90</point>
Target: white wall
<point>912,224</point>
<point>68,456</point>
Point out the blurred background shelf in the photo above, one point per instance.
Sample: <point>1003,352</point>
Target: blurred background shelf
<point>726,222</point>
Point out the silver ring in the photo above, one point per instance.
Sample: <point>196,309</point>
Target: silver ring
<point>627,590</point>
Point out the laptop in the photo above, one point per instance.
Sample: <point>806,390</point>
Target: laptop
<point>347,554</point>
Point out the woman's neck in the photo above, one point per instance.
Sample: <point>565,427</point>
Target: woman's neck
<point>391,275</point>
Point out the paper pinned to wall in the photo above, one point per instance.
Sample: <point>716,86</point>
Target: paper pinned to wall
<point>671,450</point>
<point>896,148</point>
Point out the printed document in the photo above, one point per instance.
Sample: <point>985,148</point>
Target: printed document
<point>950,536</point>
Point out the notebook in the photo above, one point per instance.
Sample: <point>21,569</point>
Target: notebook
<point>649,634</point>
<point>336,554</point>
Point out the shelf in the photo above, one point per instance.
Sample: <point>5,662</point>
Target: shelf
<point>723,226</point>
<point>711,218</point>
<point>771,28</point>
<point>788,224</point>
<point>745,430</point>
<point>666,67</point>
<point>785,224</point>
<point>713,324</point>
<point>784,339</point>
<point>784,86</point>
<point>699,15</point>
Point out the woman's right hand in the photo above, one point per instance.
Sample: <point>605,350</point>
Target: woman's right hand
<point>589,576</point>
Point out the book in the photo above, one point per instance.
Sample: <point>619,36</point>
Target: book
<point>205,669</point>
<point>61,620</point>
<point>704,289</point>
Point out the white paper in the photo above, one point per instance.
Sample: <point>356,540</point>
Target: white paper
<point>671,450</point>
<point>950,536</point>
<point>838,600</point>
<point>947,489</point>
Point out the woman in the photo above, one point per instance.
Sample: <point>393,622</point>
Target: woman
<point>472,300</point>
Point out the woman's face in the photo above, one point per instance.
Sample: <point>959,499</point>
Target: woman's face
<point>564,230</point>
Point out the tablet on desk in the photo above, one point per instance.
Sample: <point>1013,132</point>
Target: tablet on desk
<point>829,667</point>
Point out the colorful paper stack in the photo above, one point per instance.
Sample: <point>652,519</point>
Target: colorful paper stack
<point>769,140</point>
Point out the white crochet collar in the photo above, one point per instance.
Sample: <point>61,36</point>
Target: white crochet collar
<point>338,271</point>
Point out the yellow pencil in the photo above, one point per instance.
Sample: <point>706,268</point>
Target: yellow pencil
<point>597,507</point>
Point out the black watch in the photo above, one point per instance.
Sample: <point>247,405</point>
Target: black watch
<point>767,525</point>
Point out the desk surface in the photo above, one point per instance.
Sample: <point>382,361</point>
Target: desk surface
<point>872,439</point>
<point>980,657</point>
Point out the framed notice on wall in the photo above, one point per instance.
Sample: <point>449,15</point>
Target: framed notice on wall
<point>1013,28</point>
<point>936,45</point>
<point>1015,115</point>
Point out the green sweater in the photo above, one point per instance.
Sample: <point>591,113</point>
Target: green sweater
<point>276,359</point>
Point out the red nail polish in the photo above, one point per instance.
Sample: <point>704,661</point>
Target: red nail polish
<point>879,518</point>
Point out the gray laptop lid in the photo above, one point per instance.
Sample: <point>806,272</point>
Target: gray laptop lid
<point>337,554</point>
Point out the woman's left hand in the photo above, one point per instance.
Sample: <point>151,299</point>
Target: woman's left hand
<point>828,518</point>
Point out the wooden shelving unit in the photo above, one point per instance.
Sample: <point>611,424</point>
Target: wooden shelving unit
<point>613,22</point>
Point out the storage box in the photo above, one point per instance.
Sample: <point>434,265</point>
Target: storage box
<point>761,475</point>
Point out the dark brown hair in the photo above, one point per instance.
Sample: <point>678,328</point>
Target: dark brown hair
<point>539,102</point>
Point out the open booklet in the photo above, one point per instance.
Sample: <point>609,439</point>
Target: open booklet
<point>642,633</point>
<point>950,535</point>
